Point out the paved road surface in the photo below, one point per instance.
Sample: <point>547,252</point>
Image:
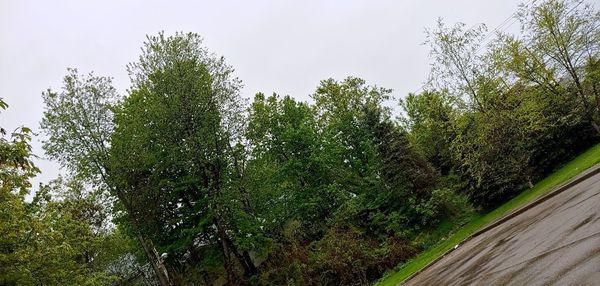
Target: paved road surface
<point>554,243</point>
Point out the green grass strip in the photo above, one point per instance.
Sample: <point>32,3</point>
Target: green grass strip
<point>581,163</point>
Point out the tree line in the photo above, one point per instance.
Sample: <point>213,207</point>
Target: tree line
<point>182,181</point>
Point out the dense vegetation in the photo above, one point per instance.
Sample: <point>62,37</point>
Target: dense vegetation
<point>478,221</point>
<point>183,182</point>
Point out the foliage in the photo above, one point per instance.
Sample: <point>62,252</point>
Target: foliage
<point>571,169</point>
<point>16,169</point>
<point>326,192</point>
<point>504,115</point>
<point>78,123</point>
<point>334,179</point>
<point>429,119</point>
<point>60,237</point>
<point>346,257</point>
<point>172,156</point>
<point>531,106</point>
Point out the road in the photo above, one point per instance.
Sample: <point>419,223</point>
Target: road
<point>557,242</point>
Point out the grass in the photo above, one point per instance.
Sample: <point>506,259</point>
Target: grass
<point>568,171</point>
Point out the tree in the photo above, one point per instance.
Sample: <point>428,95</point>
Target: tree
<point>429,119</point>
<point>49,241</point>
<point>335,170</point>
<point>70,243</point>
<point>174,158</point>
<point>16,170</point>
<point>518,94</point>
<point>457,66</point>
<point>291,166</point>
<point>341,111</point>
<point>379,165</point>
<point>78,124</point>
<point>559,40</point>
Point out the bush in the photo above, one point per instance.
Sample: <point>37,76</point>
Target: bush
<point>345,257</point>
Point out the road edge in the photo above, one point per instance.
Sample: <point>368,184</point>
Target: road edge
<point>586,174</point>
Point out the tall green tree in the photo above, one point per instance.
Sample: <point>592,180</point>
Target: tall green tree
<point>557,46</point>
<point>377,161</point>
<point>174,158</point>
<point>292,170</point>
<point>458,66</point>
<point>60,237</point>
<point>429,119</point>
<point>78,124</point>
<point>17,169</point>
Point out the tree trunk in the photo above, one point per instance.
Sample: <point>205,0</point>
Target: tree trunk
<point>157,264</point>
<point>595,125</point>
<point>226,254</point>
<point>250,263</point>
<point>230,248</point>
<point>243,258</point>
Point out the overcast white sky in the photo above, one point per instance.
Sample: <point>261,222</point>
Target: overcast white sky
<point>275,46</point>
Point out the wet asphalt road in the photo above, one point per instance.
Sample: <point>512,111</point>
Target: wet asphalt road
<point>554,243</point>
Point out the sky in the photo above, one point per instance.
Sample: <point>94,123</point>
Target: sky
<point>285,47</point>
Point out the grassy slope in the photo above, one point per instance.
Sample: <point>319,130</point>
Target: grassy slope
<point>576,166</point>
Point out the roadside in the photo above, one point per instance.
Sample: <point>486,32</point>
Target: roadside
<point>581,163</point>
<point>553,241</point>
